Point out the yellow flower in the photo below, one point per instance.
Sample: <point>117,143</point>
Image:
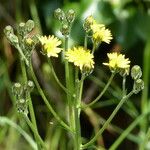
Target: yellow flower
<point>117,61</point>
<point>101,34</point>
<point>81,58</point>
<point>50,45</point>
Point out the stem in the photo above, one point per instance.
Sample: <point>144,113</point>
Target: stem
<point>145,92</point>
<point>124,86</point>
<point>85,41</point>
<point>34,131</point>
<point>108,120</point>
<point>94,48</point>
<point>55,76</point>
<point>77,110</point>
<point>47,102</point>
<point>22,55</point>
<point>31,110</point>
<point>126,132</point>
<point>70,87</point>
<point>101,94</point>
<point>145,141</point>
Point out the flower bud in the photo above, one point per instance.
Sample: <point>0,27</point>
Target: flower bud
<point>70,16</point>
<point>17,89</point>
<point>65,29</point>
<point>13,39</point>
<point>8,30</point>
<point>88,22</point>
<point>138,85</point>
<point>136,72</point>
<point>21,29</point>
<point>29,25</point>
<point>59,14</point>
<point>30,85</point>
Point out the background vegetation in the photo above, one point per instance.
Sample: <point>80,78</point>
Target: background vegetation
<point>129,21</point>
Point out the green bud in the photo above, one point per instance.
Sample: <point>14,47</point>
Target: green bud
<point>138,85</point>
<point>21,29</point>
<point>29,25</point>
<point>17,89</point>
<point>30,85</point>
<point>70,16</point>
<point>88,22</point>
<point>8,30</point>
<point>136,72</point>
<point>59,14</point>
<point>13,39</point>
<point>65,30</point>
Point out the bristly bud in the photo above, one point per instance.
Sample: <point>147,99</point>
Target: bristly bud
<point>59,14</point>
<point>17,89</point>
<point>22,106</point>
<point>30,86</point>
<point>70,15</point>
<point>8,30</point>
<point>138,86</point>
<point>29,25</point>
<point>65,30</point>
<point>13,39</point>
<point>136,72</point>
<point>88,22</point>
<point>21,29</point>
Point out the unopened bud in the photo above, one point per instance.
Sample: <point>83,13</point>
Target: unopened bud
<point>8,30</point>
<point>21,29</point>
<point>29,25</point>
<point>88,22</point>
<point>17,89</point>
<point>59,14</point>
<point>138,85</point>
<point>30,85</point>
<point>70,16</point>
<point>65,29</point>
<point>136,72</point>
<point>13,39</point>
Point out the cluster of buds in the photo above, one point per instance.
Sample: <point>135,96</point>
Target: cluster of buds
<point>66,20</point>
<point>24,42</point>
<point>136,75</point>
<point>21,92</point>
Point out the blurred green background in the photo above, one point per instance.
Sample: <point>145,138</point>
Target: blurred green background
<point>129,21</point>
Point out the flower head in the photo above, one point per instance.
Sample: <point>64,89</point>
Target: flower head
<point>81,58</point>
<point>50,45</point>
<point>117,61</point>
<point>100,33</point>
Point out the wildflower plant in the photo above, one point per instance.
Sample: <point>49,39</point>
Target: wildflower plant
<point>80,59</point>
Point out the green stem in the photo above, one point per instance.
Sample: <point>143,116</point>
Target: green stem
<point>69,86</point>
<point>22,55</point>
<point>31,110</point>
<point>34,131</point>
<point>108,120</point>
<point>47,102</point>
<point>85,41</point>
<point>145,92</point>
<point>77,110</point>
<point>145,141</point>
<point>126,132</point>
<point>94,48</point>
<point>124,86</point>
<point>56,78</point>
<point>101,94</point>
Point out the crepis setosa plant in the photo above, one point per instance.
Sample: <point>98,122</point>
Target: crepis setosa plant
<point>82,59</point>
